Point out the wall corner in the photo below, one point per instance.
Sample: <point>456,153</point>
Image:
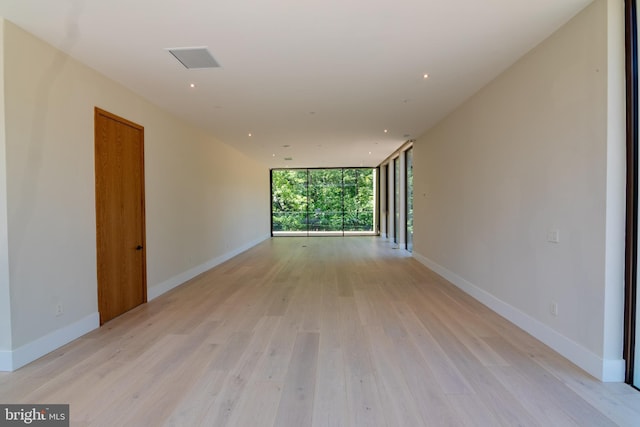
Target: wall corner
<point>615,195</point>
<point>5,290</point>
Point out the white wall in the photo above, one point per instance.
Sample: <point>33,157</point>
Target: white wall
<point>5,295</point>
<point>532,152</point>
<point>616,185</point>
<point>204,201</point>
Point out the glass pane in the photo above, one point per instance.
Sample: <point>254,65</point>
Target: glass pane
<point>383,186</point>
<point>396,203</point>
<point>325,200</point>
<point>636,363</point>
<point>359,192</point>
<point>289,201</point>
<point>410,199</point>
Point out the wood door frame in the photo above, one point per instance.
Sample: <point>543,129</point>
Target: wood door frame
<point>97,113</point>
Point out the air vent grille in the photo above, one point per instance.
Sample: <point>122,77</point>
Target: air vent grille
<point>194,57</point>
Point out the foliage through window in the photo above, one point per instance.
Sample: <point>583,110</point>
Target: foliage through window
<point>323,201</point>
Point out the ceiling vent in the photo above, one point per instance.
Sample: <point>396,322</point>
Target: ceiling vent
<point>194,57</point>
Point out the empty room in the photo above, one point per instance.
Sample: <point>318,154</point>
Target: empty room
<point>279,213</point>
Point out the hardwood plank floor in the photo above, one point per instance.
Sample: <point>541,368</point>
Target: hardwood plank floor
<point>317,332</point>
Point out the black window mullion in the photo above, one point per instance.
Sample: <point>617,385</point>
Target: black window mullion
<point>631,255</point>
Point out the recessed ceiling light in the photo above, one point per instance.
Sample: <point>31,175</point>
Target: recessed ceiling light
<point>273,155</point>
<point>286,146</point>
<point>192,85</point>
<point>386,130</point>
<point>369,152</point>
<point>250,135</point>
<point>425,76</point>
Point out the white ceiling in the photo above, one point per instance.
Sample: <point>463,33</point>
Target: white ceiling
<point>326,77</point>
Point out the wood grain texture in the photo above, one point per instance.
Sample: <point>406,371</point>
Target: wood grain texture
<point>317,332</point>
<point>120,215</point>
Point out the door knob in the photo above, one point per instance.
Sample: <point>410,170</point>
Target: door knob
<point>139,248</point>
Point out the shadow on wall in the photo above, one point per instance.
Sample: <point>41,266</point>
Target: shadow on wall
<point>37,136</point>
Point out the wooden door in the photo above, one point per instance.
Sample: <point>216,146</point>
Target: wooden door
<point>120,218</point>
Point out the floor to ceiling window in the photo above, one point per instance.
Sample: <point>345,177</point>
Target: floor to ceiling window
<point>635,304</point>
<point>383,204</point>
<point>409,199</point>
<point>397,180</point>
<point>359,194</point>
<point>326,202</point>
<point>289,200</point>
<point>396,201</point>
<point>632,296</point>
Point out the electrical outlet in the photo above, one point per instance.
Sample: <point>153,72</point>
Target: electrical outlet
<point>553,308</point>
<point>59,310</point>
<point>553,236</point>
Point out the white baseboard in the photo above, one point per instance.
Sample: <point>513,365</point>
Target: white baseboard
<point>12,360</point>
<point>606,370</point>
<point>159,289</point>
<point>6,361</point>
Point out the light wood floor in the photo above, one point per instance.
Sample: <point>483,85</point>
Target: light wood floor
<point>317,332</point>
